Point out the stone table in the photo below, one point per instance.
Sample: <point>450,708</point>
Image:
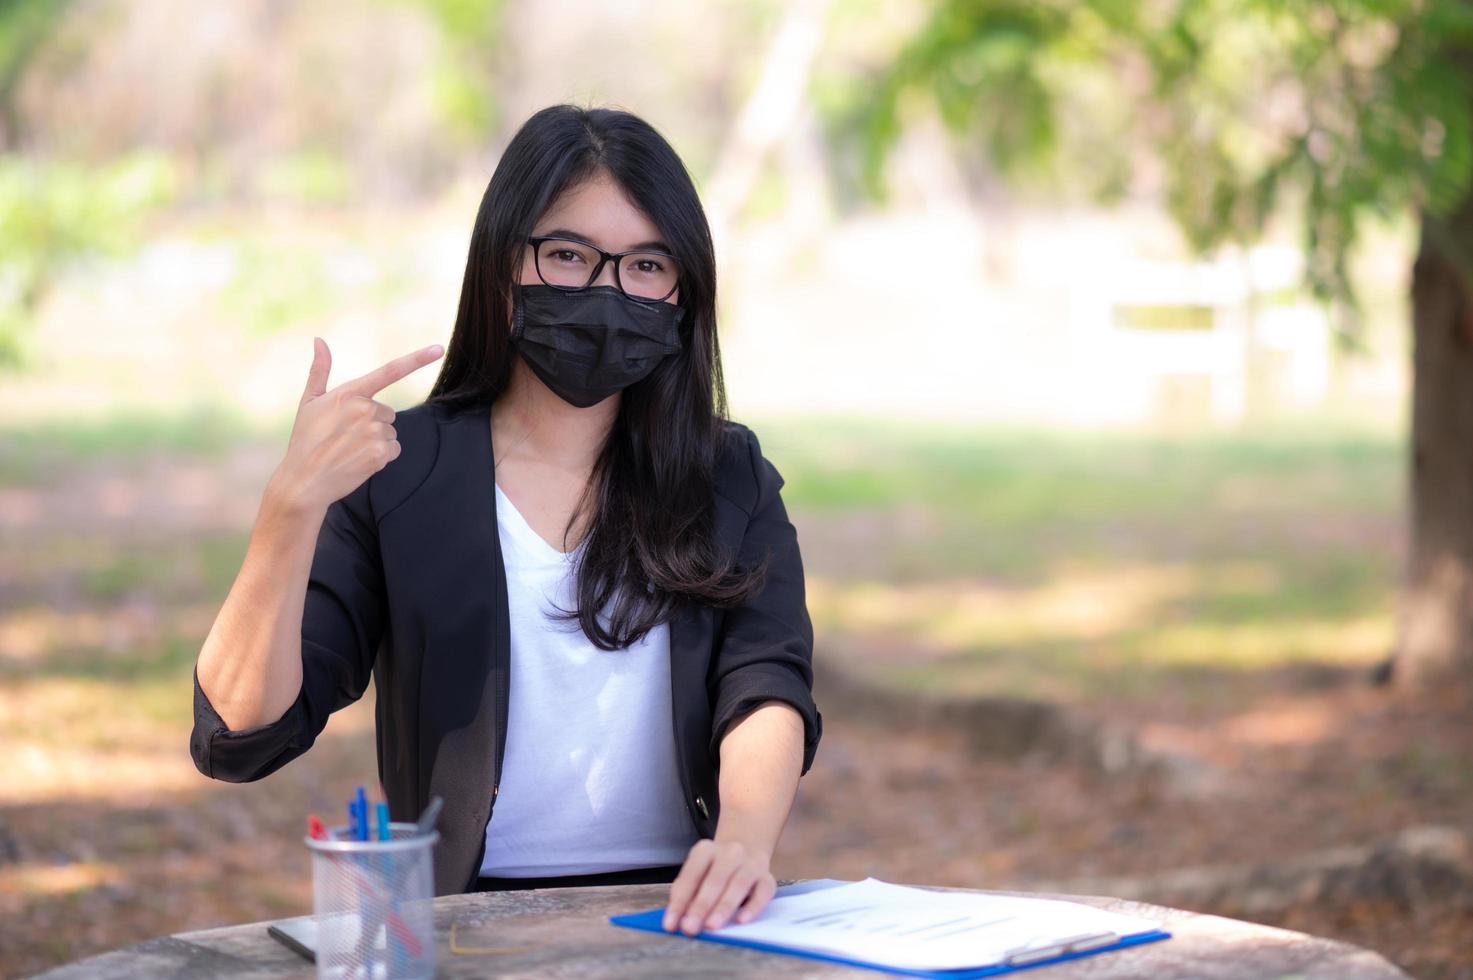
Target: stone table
<point>567,934</point>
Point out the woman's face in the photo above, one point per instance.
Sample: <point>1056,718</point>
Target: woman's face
<point>597,211</point>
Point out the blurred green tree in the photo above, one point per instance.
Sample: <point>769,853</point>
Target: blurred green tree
<point>1332,110</point>
<point>56,215</point>
<point>65,202</point>
<point>24,24</point>
<point>466,82</point>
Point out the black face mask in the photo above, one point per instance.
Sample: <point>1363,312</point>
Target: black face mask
<point>589,344</point>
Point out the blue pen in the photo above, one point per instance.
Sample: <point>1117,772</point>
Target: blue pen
<point>360,800</point>
<point>352,819</point>
<point>381,810</point>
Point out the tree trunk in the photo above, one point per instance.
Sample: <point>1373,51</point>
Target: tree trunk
<point>1435,644</point>
<point>767,115</point>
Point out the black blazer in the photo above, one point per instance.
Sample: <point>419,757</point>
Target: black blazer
<point>408,585</point>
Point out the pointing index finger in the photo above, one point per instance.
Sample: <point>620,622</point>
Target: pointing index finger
<point>400,367</point>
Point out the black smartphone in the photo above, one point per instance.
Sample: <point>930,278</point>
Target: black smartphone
<point>297,935</point>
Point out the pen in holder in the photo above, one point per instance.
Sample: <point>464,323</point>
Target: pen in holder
<point>373,901</point>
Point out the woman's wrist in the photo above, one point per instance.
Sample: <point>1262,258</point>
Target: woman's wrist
<point>754,833</point>
<point>285,501</point>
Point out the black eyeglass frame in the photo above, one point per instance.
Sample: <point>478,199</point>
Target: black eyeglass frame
<point>536,242</point>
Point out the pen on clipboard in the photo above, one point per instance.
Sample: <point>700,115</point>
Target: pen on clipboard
<point>1073,944</point>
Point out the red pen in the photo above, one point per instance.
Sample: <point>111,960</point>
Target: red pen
<point>315,829</point>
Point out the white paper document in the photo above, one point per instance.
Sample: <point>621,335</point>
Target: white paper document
<point>919,929</point>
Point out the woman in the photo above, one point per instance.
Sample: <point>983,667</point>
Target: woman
<point>568,507</point>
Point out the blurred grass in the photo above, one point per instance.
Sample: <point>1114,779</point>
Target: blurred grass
<point>1033,478</point>
<point>35,453</point>
<point>1081,566</point>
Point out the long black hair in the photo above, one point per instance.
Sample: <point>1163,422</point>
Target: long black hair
<point>651,544</point>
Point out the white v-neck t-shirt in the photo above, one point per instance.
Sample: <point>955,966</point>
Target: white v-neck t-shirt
<point>589,781</point>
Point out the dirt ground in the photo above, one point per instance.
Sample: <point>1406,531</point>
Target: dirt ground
<point>108,836</point>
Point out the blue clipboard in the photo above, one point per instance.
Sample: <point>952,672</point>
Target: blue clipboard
<point>649,921</point>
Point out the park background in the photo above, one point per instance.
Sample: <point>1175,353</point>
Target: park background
<point>1080,332</point>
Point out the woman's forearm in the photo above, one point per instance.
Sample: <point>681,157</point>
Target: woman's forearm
<point>761,759</point>
<point>250,666</point>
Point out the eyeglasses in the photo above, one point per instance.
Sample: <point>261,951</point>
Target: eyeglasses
<point>569,264</point>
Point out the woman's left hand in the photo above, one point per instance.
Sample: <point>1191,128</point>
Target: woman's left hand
<point>719,878</point>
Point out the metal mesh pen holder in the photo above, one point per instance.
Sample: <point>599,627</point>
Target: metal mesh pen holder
<point>373,902</point>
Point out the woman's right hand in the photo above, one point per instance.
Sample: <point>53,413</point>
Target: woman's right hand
<point>341,437</point>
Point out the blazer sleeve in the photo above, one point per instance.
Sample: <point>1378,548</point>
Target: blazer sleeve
<point>342,623</point>
<point>765,646</point>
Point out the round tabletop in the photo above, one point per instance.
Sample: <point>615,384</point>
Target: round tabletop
<point>566,932</point>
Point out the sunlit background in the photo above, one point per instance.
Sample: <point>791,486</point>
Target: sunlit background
<point>1103,531</point>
